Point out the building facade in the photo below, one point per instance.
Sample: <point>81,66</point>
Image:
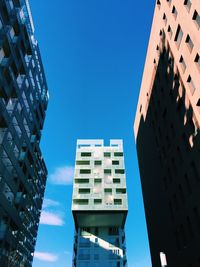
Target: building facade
<point>99,204</point>
<point>23,102</point>
<point>167,134</point>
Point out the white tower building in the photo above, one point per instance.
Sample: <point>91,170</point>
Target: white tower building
<point>99,204</point>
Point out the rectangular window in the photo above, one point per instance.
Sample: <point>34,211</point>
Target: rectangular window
<point>107,154</point>
<point>107,171</point>
<point>189,43</point>
<point>116,181</point>
<point>80,201</point>
<point>86,171</point>
<point>82,162</point>
<point>178,36</point>
<point>86,154</point>
<point>97,201</point>
<point>115,162</point>
<point>117,201</point>
<point>196,18</point>
<point>81,181</point>
<point>121,190</point>
<point>97,162</point>
<point>119,171</point>
<point>84,190</point>
<point>118,154</point>
<point>108,190</point>
<point>97,180</point>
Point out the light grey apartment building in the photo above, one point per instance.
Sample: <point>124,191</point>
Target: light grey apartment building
<point>99,204</point>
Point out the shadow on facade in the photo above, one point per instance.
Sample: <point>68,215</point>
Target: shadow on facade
<point>94,247</point>
<point>168,146</point>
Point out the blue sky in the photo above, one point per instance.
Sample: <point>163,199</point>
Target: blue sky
<point>93,53</point>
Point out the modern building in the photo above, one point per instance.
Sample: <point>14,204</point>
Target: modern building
<point>167,134</point>
<point>99,204</point>
<point>23,102</point>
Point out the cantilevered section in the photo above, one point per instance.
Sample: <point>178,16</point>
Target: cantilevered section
<point>99,193</point>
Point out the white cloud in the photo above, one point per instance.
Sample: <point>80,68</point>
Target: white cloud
<point>50,203</point>
<point>44,256</point>
<point>62,175</point>
<point>50,218</point>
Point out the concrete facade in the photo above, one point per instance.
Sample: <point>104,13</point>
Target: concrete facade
<point>99,204</point>
<point>23,103</point>
<point>167,134</point>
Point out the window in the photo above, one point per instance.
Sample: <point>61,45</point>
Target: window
<point>197,216</point>
<point>119,171</point>
<point>196,18</point>
<point>108,190</point>
<point>191,85</point>
<point>82,162</point>
<point>97,201</point>
<point>97,180</point>
<point>86,171</point>
<point>182,62</point>
<point>115,162</point>
<point>158,3</point>
<point>97,162</point>
<point>116,181</point>
<point>117,201</point>
<point>118,154</point>
<point>189,42</point>
<point>169,2</point>
<point>84,190</point>
<point>197,60</point>
<point>81,181</point>
<point>165,18</point>
<point>86,154</point>
<point>107,154</point>
<point>113,231</point>
<point>189,226</point>
<point>80,201</point>
<point>121,190</point>
<point>107,171</point>
<point>169,30</point>
<point>188,185</point>
<point>174,12</point>
<point>178,36</point>
<point>188,4</point>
